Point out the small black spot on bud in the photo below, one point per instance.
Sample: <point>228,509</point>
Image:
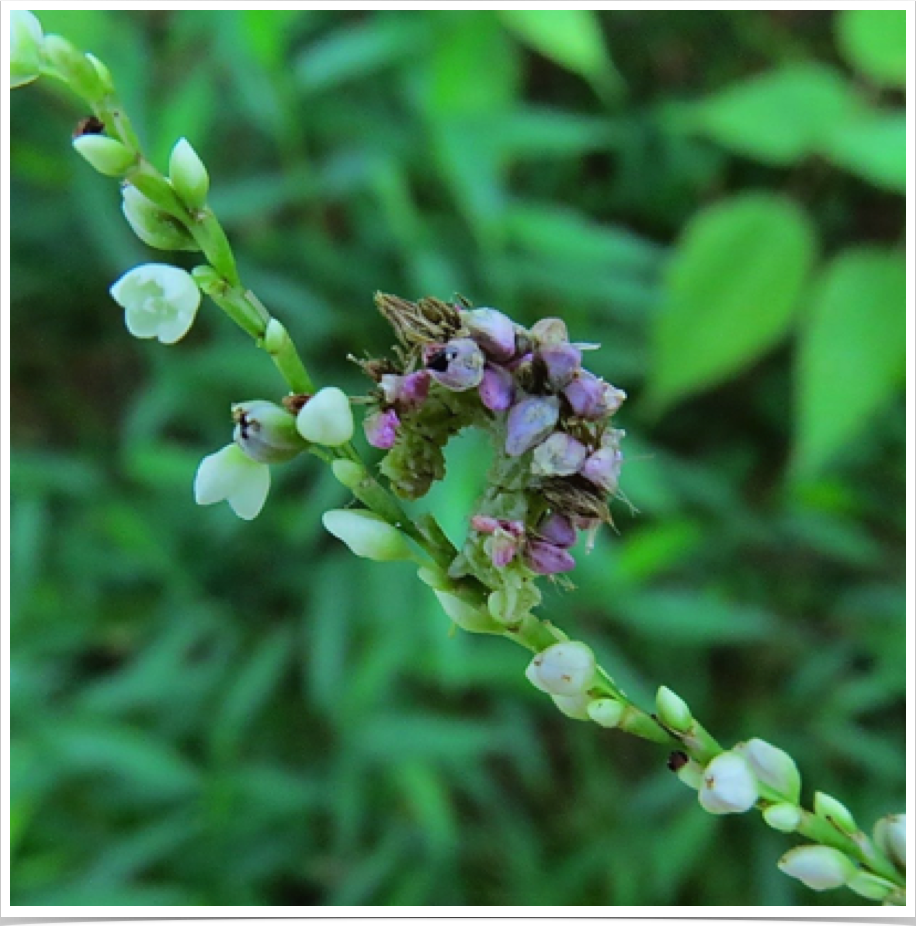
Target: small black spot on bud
<point>677,760</point>
<point>91,125</point>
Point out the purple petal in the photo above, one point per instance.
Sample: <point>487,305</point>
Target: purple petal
<point>603,468</point>
<point>382,428</point>
<point>562,361</point>
<point>558,530</point>
<point>546,559</point>
<point>585,394</point>
<point>414,389</point>
<point>484,524</point>
<point>496,388</point>
<point>530,421</point>
<point>492,330</point>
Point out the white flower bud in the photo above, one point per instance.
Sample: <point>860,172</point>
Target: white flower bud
<point>159,301</point>
<point>728,785</point>
<point>830,809</point>
<point>565,668</point>
<point>326,418</point>
<point>890,835</point>
<point>784,817</point>
<point>107,155</point>
<point>673,710</point>
<point>606,712</point>
<point>229,475</point>
<point>26,39</point>
<point>188,175</point>
<point>818,867</point>
<point>266,432</point>
<point>367,534</point>
<point>774,769</point>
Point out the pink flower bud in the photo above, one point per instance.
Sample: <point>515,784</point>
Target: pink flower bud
<point>502,547</point>
<point>484,524</point>
<point>559,455</point>
<point>561,361</point>
<point>530,421</point>
<point>591,397</point>
<point>603,468</point>
<point>546,559</point>
<point>496,388</point>
<point>382,428</point>
<point>457,365</point>
<point>492,330</point>
<point>414,389</point>
<point>558,530</point>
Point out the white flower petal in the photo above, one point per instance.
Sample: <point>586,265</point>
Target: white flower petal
<point>326,418</point>
<point>218,475</point>
<point>250,494</point>
<point>728,785</point>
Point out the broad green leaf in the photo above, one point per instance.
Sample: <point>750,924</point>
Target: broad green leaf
<point>872,146</point>
<point>874,42</point>
<point>780,116</point>
<point>732,287</point>
<point>571,38</point>
<point>852,355</point>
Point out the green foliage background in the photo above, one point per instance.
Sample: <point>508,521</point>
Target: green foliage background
<point>212,712</point>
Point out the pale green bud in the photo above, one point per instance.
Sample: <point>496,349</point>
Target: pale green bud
<point>367,534</point>
<point>229,475</point>
<point>774,769</point>
<point>574,706</point>
<point>606,712</point>
<point>326,418</point>
<point>673,710</point>
<point>159,301</point>
<point>784,817</point>
<point>107,155</point>
<point>103,73</point>
<point>75,68</point>
<point>152,225</point>
<point>26,40</point>
<point>266,432</point>
<point>564,669</point>
<point>465,615</point>
<point>728,785</point>
<point>830,809</point>
<point>819,867</point>
<point>348,473</point>
<point>890,835</point>
<point>873,887</point>
<point>189,175</point>
<point>275,335</point>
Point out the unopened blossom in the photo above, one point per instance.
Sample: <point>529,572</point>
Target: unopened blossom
<point>492,330</point>
<point>159,301</point>
<point>559,455</point>
<point>367,534</point>
<point>326,418</point>
<point>603,468</point>
<point>890,835</point>
<point>546,559</point>
<point>457,365</point>
<point>566,668</point>
<point>153,226</point>
<point>188,174</point>
<point>818,867</point>
<point>231,475</point>
<point>558,530</point>
<point>728,786</point>
<point>496,388</point>
<point>530,421</point>
<point>381,428</point>
<point>266,432</point>
<point>560,362</point>
<point>592,398</point>
<point>772,767</point>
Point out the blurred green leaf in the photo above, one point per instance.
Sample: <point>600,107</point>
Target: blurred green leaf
<point>874,42</point>
<point>777,117</point>
<point>571,38</point>
<point>872,145</point>
<point>732,287</point>
<point>852,355</point>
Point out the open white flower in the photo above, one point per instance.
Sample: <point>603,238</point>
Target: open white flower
<point>159,301</point>
<point>26,39</point>
<point>232,476</point>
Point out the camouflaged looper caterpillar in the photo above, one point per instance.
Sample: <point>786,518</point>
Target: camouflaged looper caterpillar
<point>556,456</point>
